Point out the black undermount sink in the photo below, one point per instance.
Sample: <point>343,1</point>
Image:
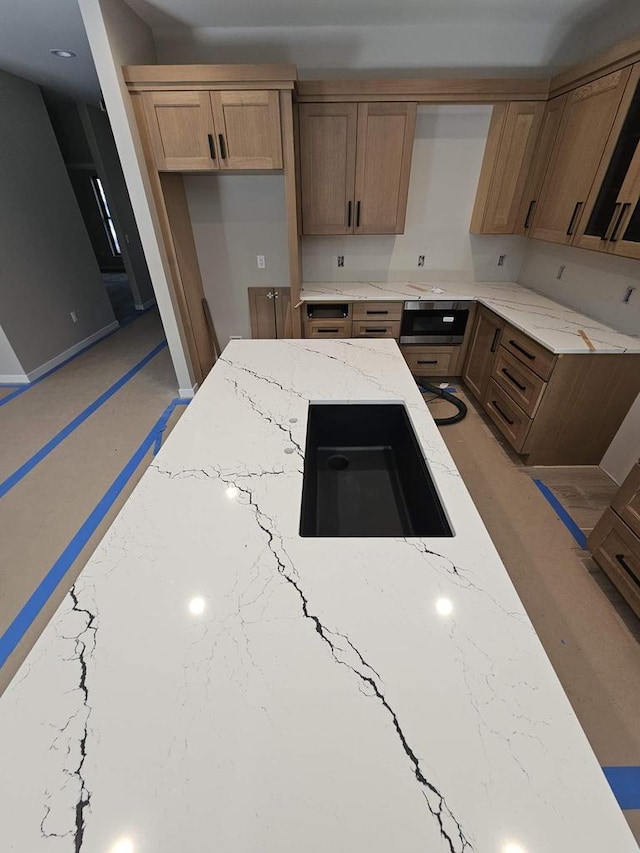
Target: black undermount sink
<point>365,475</point>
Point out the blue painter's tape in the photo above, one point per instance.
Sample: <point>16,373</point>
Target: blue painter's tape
<point>164,420</point>
<point>625,784</point>
<point>23,621</point>
<point>563,515</point>
<point>30,464</point>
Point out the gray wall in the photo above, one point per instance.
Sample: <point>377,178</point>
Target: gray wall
<point>47,265</point>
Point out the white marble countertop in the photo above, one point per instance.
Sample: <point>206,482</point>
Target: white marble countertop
<point>553,325</point>
<point>214,681</point>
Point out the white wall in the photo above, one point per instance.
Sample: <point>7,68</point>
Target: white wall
<point>447,156</point>
<point>594,284</point>
<point>47,268</point>
<point>119,37</point>
<point>235,218</point>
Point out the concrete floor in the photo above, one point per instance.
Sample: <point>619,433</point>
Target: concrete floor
<point>591,637</point>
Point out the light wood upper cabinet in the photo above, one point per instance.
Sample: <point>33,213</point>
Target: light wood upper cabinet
<point>509,151</point>
<point>248,127</point>
<point>584,129</point>
<point>355,161</point>
<point>205,131</point>
<point>383,165</point>
<point>181,131</point>
<point>544,145</point>
<point>327,167</point>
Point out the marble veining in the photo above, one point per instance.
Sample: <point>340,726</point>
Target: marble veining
<point>553,325</point>
<point>215,681</point>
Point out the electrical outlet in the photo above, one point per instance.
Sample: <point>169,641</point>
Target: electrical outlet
<point>261,262</point>
<point>501,260</point>
<point>340,260</point>
<point>420,260</point>
<point>74,316</point>
<point>561,270</point>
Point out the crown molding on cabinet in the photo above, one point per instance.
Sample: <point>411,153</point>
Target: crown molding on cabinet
<point>428,90</point>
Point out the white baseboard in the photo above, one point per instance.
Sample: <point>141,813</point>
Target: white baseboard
<point>67,354</point>
<point>188,393</point>
<point>142,306</point>
<point>14,379</point>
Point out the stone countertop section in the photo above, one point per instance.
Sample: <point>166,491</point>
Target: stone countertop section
<point>553,325</point>
<point>215,681</point>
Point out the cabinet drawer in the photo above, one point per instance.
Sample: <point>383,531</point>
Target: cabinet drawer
<point>327,329</point>
<point>617,551</point>
<point>431,361</point>
<point>376,329</point>
<point>507,415</point>
<point>627,502</point>
<point>528,351</point>
<point>521,384</point>
<point>377,310</point>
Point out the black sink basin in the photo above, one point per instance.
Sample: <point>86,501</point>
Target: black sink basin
<point>365,475</point>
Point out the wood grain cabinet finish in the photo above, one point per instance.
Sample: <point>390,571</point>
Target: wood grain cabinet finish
<point>485,339</point>
<point>616,549</point>
<point>627,502</point>
<point>201,131</point>
<point>507,415</point>
<point>585,126</point>
<point>523,385</point>
<point>270,312</point>
<point>509,151</point>
<point>377,311</point>
<point>376,329</point>
<point>327,328</point>
<point>355,161</point>
<point>532,354</point>
<point>431,361</point>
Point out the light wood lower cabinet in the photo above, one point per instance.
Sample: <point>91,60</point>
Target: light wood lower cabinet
<point>523,385</point>
<point>270,312</point>
<point>376,329</point>
<point>507,415</point>
<point>627,502</point>
<point>485,338</point>
<point>432,361</point>
<point>616,549</point>
<point>377,310</point>
<point>327,328</point>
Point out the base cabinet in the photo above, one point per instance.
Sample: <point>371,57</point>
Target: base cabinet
<point>270,312</point>
<point>485,338</point>
<point>615,540</point>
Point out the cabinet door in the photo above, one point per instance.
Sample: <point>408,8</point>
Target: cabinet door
<point>485,340</point>
<point>262,312</point>
<point>582,136</point>
<point>508,154</point>
<point>282,308</point>
<point>383,166</point>
<point>181,131</point>
<point>248,129</point>
<point>614,193</point>
<point>327,167</point>
<point>544,145</point>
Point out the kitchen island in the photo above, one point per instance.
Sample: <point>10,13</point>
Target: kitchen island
<point>214,681</point>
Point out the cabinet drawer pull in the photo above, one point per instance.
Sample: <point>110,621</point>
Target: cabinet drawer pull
<point>523,351</point>
<point>326,331</point>
<point>212,146</point>
<point>349,215</point>
<point>620,558</point>
<point>378,312</point>
<point>614,233</point>
<point>223,147</point>
<point>376,331</point>
<point>498,409</point>
<point>494,343</point>
<point>357,214</point>
<point>432,361</point>
<point>574,216</point>
<point>512,379</point>
<point>527,221</point>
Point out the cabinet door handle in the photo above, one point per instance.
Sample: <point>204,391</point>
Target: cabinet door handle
<point>527,220</point>
<point>512,379</point>
<point>614,233</point>
<point>223,147</point>
<point>523,351</point>
<point>494,343</point>
<point>433,361</point>
<point>357,214</point>
<point>574,216</point>
<point>212,146</point>
<point>498,409</point>
<point>620,558</point>
<point>609,228</point>
<point>349,215</point>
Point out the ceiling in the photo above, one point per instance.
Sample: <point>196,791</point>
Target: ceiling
<point>30,28</point>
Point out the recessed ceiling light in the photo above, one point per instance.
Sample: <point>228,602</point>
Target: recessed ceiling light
<point>63,54</point>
